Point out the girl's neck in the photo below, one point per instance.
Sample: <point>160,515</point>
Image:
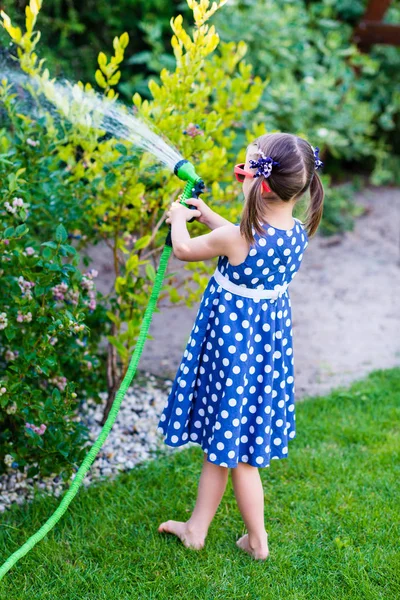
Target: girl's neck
<point>280,214</point>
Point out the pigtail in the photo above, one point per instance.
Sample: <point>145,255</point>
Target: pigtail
<point>315,206</point>
<point>253,212</point>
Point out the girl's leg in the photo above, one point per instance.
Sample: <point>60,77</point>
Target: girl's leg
<point>249,494</point>
<point>211,487</point>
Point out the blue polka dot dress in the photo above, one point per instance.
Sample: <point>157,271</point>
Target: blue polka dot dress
<point>234,391</point>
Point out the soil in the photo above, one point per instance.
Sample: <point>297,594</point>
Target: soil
<point>345,303</point>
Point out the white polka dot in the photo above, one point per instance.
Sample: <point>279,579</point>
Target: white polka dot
<point>236,275</point>
<point>239,303</point>
<point>213,456</point>
<point>279,423</point>
<point>225,362</point>
<point>262,242</point>
<point>259,440</point>
<point>277,441</point>
<point>226,329</point>
<point>228,296</point>
<point>245,324</point>
<point>252,409</point>
<point>231,454</point>
<point>259,460</point>
<point>244,439</point>
<point>239,336</point>
<point>224,414</point>
<point>174,439</point>
<point>232,349</point>
<point>220,445</point>
<point>235,422</point>
<point>228,434</point>
<point>233,316</point>
<point>248,271</point>
<point>232,402</point>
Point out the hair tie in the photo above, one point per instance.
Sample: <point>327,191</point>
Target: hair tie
<point>263,164</point>
<point>318,162</point>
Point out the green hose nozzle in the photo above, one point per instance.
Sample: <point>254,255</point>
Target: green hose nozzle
<point>194,187</point>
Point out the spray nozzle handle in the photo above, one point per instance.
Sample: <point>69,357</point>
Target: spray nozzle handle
<point>197,189</point>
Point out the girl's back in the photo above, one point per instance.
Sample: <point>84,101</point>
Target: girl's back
<point>273,260</point>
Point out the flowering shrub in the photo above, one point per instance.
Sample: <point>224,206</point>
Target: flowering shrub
<point>46,352</point>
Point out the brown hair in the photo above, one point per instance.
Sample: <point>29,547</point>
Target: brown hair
<point>290,180</point>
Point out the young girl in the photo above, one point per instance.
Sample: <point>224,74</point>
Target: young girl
<point>234,392</point>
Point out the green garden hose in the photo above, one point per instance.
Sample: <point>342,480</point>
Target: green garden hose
<point>185,171</point>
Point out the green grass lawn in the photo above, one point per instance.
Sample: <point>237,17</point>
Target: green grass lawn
<point>332,513</point>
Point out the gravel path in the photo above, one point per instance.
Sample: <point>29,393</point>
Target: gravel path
<point>346,323</point>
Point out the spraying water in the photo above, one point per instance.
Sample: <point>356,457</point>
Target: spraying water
<point>92,110</point>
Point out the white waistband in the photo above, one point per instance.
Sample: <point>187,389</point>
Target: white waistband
<point>240,290</point>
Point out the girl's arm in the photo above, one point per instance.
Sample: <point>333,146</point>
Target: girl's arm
<point>218,242</point>
<point>215,221</point>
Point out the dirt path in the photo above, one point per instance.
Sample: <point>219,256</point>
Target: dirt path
<point>345,303</point>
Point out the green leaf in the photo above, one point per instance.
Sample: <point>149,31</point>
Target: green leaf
<point>113,318</point>
<point>121,149</point>
<point>21,229</point>
<point>9,232</point>
<point>9,333</point>
<point>61,233</point>
<point>150,272</point>
<point>56,394</point>
<point>49,244</point>
<point>110,179</point>
<point>142,242</point>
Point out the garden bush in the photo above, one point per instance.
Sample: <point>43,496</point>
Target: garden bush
<point>47,353</point>
<point>319,83</point>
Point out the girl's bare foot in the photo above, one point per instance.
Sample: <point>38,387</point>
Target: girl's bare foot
<point>259,551</point>
<point>189,537</point>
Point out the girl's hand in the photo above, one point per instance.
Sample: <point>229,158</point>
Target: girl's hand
<point>179,211</point>
<point>206,212</point>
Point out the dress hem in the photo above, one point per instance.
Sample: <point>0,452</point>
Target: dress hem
<point>226,464</point>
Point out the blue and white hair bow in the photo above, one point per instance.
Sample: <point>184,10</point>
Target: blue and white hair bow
<point>263,164</point>
<point>318,162</point>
